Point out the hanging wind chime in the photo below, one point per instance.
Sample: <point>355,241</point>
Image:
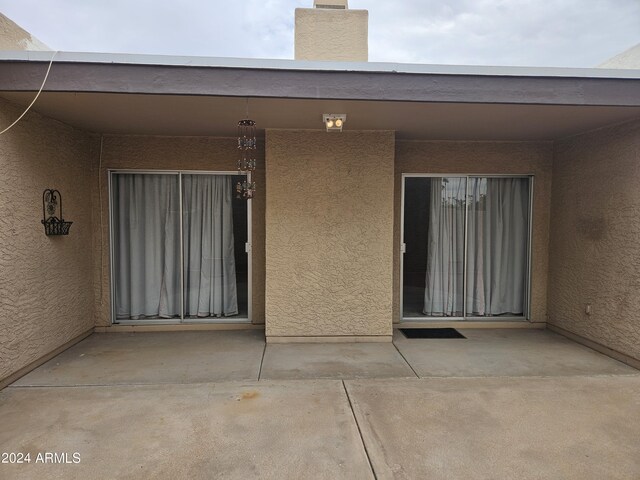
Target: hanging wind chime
<point>247,147</point>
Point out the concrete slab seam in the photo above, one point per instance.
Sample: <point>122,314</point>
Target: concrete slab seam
<point>264,350</point>
<point>406,361</point>
<point>355,419</point>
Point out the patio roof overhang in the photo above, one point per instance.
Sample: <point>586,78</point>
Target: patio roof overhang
<point>142,94</point>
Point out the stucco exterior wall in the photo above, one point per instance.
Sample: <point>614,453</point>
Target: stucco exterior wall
<point>595,237</point>
<point>331,35</point>
<point>534,158</point>
<point>175,153</point>
<point>46,291</point>
<point>329,231</point>
<point>14,37</point>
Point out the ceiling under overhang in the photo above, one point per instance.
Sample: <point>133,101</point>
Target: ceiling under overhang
<point>145,114</point>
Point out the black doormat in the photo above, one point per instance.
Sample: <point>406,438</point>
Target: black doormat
<point>431,333</point>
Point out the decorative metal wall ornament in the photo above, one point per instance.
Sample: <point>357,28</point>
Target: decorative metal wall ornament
<point>52,205</point>
<point>247,146</point>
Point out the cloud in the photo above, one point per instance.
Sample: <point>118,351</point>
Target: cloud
<point>489,32</point>
<point>501,32</point>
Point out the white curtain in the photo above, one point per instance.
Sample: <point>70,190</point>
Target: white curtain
<point>209,262</point>
<point>497,245</point>
<point>146,246</point>
<point>443,294</point>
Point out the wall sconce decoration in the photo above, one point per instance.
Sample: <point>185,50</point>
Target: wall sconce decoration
<point>247,146</point>
<point>52,205</point>
<point>334,121</point>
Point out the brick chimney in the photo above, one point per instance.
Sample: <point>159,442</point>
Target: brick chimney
<point>331,32</point>
<point>14,37</point>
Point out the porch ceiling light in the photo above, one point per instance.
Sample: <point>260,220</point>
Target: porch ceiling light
<point>334,121</point>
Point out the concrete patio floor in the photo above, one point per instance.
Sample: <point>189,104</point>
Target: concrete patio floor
<point>514,404</point>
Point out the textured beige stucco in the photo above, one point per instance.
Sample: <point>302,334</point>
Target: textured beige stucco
<point>331,35</point>
<point>14,37</point>
<point>628,59</point>
<point>534,158</point>
<point>595,237</point>
<point>174,153</point>
<point>46,296</point>
<point>329,225</point>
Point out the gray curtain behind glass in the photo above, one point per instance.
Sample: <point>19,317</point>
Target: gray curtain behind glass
<point>147,246</point>
<point>209,261</point>
<point>444,283</point>
<point>497,240</point>
<point>497,245</point>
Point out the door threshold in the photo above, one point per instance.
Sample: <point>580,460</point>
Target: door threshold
<point>178,327</point>
<point>469,324</point>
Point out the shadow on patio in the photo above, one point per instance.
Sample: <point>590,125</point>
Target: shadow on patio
<point>218,356</point>
<point>524,404</point>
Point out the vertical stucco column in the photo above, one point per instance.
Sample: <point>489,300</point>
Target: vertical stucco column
<point>329,235</point>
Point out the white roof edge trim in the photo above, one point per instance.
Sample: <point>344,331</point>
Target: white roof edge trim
<point>282,64</point>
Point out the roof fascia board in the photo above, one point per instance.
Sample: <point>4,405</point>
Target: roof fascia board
<point>284,64</point>
<point>235,81</point>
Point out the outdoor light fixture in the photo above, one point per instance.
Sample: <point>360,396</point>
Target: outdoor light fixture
<point>334,121</point>
<point>247,146</point>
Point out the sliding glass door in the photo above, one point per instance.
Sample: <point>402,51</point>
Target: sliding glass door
<point>209,262</point>
<point>179,248</point>
<point>146,238</point>
<point>497,247</point>
<point>465,247</point>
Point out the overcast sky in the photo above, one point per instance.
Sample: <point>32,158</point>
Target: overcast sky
<point>573,33</point>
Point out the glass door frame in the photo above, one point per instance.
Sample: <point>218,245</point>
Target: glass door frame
<point>182,320</point>
<point>527,294</point>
